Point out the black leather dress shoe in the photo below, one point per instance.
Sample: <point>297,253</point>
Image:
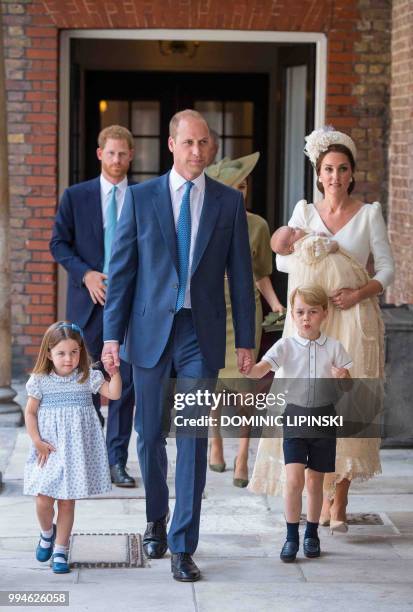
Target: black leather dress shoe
<point>289,551</point>
<point>311,547</point>
<point>183,568</point>
<point>120,476</point>
<point>154,539</point>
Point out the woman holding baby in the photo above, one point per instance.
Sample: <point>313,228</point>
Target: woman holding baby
<point>358,230</point>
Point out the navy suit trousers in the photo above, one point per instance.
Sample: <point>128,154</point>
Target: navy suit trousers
<point>182,359</point>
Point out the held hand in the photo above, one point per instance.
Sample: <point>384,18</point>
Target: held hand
<point>278,307</point>
<point>97,289</point>
<point>246,360</point>
<point>345,298</point>
<point>110,356</point>
<point>109,364</point>
<point>340,372</point>
<point>43,451</point>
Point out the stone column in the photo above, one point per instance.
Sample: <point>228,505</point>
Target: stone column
<point>10,411</point>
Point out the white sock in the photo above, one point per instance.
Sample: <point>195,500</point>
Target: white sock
<point>63,551</point>
<point>45,534</point>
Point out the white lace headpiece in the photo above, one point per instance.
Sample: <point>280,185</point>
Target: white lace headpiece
<point>319,140</point>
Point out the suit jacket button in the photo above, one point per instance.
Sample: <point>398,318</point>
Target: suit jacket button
<point>175,286</point>
<point>172,311</point>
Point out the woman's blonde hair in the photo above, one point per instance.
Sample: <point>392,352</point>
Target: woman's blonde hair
<point>62,330</point>
<point>313,295</point>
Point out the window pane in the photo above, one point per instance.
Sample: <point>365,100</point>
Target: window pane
<point>146,117</point>
<point>239,118</point>
<point>113,112</point>
<point>146,157</point>
<point>212,112</point>
<point>238,147</point>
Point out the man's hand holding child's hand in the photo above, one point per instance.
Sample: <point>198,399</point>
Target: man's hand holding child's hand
<point>109,364</point>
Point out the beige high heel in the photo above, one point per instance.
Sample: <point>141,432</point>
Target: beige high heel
<point>338,526</point>
<point>324,521</point>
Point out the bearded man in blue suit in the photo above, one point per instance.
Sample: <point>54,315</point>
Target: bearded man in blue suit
<point>81,242</point>
<point>176,238</point>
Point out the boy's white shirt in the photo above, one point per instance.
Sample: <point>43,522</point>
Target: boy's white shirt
<point>303,358</point>
<point>299,362</point>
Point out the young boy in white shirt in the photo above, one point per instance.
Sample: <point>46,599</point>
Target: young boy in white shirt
<point>308,355</point>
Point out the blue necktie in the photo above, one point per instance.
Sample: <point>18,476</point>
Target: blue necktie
<point>183,235</point>
<point>111,220</point>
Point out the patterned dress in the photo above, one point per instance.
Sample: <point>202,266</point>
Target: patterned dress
<point>67,419</point>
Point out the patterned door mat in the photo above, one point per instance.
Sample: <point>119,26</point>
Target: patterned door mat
<point>106,550</point>
<point>358,518</point>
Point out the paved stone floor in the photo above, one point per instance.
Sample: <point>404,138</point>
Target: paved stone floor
<point>370,568</point>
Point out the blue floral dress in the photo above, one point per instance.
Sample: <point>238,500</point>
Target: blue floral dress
<point>68,420</point>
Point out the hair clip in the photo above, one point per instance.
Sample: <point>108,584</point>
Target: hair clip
<point>73,326</point>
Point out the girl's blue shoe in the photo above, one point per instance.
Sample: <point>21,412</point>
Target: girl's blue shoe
<point>60,567</point>
<point>44,554</point>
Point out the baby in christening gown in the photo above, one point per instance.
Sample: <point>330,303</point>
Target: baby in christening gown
<point>285,238</point>
<point>318,259</point>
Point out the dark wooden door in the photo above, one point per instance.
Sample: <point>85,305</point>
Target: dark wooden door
<point>235,105</point>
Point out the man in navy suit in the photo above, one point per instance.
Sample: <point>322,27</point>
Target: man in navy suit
<point>176,238</point>
<point>81,243</point>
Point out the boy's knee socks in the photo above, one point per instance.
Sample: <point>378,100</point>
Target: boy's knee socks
<point>292,532</point>
<point>311,530</point>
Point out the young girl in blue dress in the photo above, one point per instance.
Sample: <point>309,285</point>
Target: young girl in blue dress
<point>68,458</point>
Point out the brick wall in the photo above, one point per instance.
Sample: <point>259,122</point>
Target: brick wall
<point>31,41</point>
<point>401,151</point>
<point>357,96</point>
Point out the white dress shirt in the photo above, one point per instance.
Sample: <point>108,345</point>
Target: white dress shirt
<point>302,361</point>
<point>106,195</point>
<point>177,190</point>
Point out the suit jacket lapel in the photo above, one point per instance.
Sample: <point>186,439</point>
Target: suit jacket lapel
<point>94,212</point>
<point>209,216</point>
<point>163,207</point>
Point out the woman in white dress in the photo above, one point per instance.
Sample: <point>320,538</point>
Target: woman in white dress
<point>358,228</point>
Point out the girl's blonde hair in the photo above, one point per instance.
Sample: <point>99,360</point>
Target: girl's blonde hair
<point>62,330</point>
<point>313,295</point>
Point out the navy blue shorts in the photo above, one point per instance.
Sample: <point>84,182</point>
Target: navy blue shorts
<point>318,454</point>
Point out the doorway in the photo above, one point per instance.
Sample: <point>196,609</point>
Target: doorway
<point>144,103</point>
<point>257,96</point>
<point>270,56</point>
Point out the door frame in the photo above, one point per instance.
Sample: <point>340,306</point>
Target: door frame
<point>317,38</point>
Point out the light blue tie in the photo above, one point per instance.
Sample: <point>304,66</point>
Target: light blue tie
<point>183,236</point>
<point>111,220</point>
